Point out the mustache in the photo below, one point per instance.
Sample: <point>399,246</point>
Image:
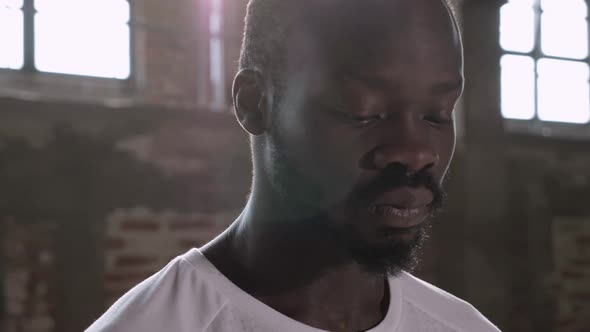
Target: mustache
<point>399,176</point>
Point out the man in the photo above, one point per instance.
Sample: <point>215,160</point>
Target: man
<point>349,106</point>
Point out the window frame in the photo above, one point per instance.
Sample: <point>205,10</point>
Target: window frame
<point>30,83</point>
<point>536,126</point>
<point>218,99</point>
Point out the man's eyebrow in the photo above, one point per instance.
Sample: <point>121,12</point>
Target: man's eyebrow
<point>447,86</point>
<point>374,81</point>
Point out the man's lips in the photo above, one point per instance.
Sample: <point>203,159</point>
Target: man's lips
<point>403,207</point>
<point>405,198</point>
<point>394,211</point>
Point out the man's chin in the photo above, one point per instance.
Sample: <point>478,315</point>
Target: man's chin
<point>398,250</point>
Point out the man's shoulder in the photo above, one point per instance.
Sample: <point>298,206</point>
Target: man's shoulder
<point>165,298</point>
<point>442,306</point>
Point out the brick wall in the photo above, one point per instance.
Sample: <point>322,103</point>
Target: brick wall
<point>168,40</point>
<point>170,50</point>
<point>140,242</point>
<point>187,169</point>
<point>571,244</point>
<point>152,141</point>
<point>28,253</point>
<point>187,172</point>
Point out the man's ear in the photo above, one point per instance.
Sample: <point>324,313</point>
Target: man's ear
<point>250,101</point>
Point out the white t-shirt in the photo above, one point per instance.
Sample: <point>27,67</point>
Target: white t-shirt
<point>191,295</point>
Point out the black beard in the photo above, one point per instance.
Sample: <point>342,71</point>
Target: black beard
<point>389,256</point>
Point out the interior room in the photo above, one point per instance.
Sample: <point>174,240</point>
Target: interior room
<point>120,150</point>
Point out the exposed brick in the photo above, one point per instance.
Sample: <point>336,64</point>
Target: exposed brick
<point>178,225</point>
<point>564,322</point>
<point>581,262</point>
<point>583,240</point>
<point>581,296</point>
<point>133,260</point>
<point>190,243</point>
<point>140,225</point>
<point>29,292</point>
<point>114,243</point>
<point>578,275</point>
<point>574,275</point>
<point>124,277</point>
<point>120,286</point>
<point>113,292</point>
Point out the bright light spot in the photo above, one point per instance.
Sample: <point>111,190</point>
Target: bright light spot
<point>216,55</point>
<point>517,26</point>
<point>564,29</point>
<point>529,3</point>
<point>572,7</point>
<point>216,6</point>
<point>12,4</point>
<point>215,24</point>
<point>518,87</point>
<point>563,91</point>
<point>83,37</point>
<point>11,35</point>
<point>101,10</point>
<point>216,67</point>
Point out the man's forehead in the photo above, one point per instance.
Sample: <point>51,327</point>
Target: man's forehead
<point>363,19</point>
<point>376,33</point>
<point>366,10</point>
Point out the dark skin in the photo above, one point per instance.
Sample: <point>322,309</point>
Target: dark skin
<point>365,89</point>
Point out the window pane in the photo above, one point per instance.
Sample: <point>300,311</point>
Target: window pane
<point>215,17</point>
<point>11,38</point>
<point>215,24</point>
<point>116,11</point>
<point>565,34</point>
<point>563,91</point>
<point>12,4</point>
<point>571,7</point>
<point>517,26</point>
<point>216,73</point>
<point>81,45</point>
<point>518,87</point>
<point>216,6</point>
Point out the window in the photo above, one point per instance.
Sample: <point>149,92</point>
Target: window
<point>11,34</point>
<point>77,37</point>
<point>544,67</point>
<point>216,55</point>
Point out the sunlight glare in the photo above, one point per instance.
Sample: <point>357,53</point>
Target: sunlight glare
<point>95,41</point>
<point>517,26</point>
<point>564,28</point>
<point>563,91</point>
<point>11,35</point>
<point>518,87</point>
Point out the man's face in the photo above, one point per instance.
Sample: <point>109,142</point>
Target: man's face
<point>363,132</point>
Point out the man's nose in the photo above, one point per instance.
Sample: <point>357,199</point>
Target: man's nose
<point>406,147</point>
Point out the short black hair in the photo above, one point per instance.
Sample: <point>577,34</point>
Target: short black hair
<point>265,35</point>
<point>266,29</point>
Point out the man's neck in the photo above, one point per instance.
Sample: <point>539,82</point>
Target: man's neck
<point>290,266</point>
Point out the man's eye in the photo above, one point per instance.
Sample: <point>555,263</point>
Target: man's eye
<point>365,120</point>
<point>360,120</point>
<point>439,118</point>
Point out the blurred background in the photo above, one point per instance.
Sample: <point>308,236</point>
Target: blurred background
<point>119,151</point>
